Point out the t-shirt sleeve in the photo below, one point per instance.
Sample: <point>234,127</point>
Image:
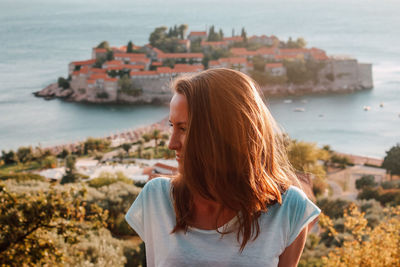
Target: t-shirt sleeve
<point>302,211</point>
<point>135,215</point>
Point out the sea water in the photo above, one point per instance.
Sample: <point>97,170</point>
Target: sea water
<point>38,38</point>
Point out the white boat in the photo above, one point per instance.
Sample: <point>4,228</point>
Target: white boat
<point>287,101</point>
<point>299,109</point>
<point>381,104</point>
<point>366,108</point>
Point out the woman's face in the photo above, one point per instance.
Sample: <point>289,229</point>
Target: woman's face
<point>178,119</point>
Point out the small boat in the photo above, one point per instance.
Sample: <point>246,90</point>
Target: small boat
<point>381,104</point>
<point>321,115</point>
<point>366,108</point>
<point>299,109</point>
<point>287,101</point>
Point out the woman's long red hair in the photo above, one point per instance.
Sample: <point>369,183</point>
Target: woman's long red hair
<point>233,153</point>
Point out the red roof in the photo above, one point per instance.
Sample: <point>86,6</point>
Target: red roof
<point>164,70</point>
<point>187,68</point>
<point>120,67</point>
<point>216,43</point>
<point>84,62</point>
<point>96,70</point>
<point>100,50</point>
<point>198,34</point>
<point>266,51</point>
<point>233,60</point>
<point>181,55</point>
<point>242,52</point>
<point>287,56</point>
<point>91,81</point>
<point>111,80</point>
<point>213,63</point>
<point>155,63</point>
<point>234,38</point>
<point>183,41</point>
<point>293,51</point>
<point>96,76</point>
<point>143,73</point>
<point>130,55</point>
<point>113,62</point>
<point>167,167</point>
<point>273,65</point>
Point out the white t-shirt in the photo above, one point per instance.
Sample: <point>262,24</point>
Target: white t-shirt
<point>152,216</point>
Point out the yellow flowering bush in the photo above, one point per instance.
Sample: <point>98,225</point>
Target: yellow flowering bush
<point>363,245</point>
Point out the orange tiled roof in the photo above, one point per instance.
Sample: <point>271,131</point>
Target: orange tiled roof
<point>120,67</point>
<point>155,63</point>
<point>100,50</point>
<point>319,56</point>
<point>96,70</point>
<point>113,62</point>
<point>214,43</point>
<point>266,51</point>
<point>167,167</point>
<point>278,57</point>
<point>143,73</point>
<point>96,76</point>
<point>213,63</point>
<point>164,70</point>
<point>130,55</point>
<point>233,60</point>
<point>293,51</point>
<point>273,65</point>
<point>84,62</point>
<point>234,38</point>
<point>91,81</point>
<point>198,34</point>
<point>188,68</point>
<point>111,80</point>
<point>181,55</point>
<point>243,52</point>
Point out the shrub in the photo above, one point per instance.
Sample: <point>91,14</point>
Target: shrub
<point>365,181</point>
<point>21,176</point>
<point>366,246</point>
<point>63,83</point>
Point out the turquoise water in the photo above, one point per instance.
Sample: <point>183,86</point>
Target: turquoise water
<point>39,38</point>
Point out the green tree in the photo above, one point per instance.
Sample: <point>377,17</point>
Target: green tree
<point>126,147</point>
<point>104,45</point>
<point>25,154</point>
<point>365,181</point>
<point>156,135</point>
<point>146,137</point>
<point>9,157</point>
<point>139,148</point>
<point>244,35</point>
<point>182,30</point>
<point>129,47</point>
<point>304,157</point>
<point>391,162</point>
<point>63,83</point>
<point>71,176</point>
<point>29,220</point>
<point>213,35</point>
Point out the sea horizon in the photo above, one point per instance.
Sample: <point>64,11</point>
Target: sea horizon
<point>40,38</point>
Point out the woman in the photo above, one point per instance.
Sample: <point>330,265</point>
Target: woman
<point>232,203</point>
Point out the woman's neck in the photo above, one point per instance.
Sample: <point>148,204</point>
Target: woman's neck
<point>209,214</point>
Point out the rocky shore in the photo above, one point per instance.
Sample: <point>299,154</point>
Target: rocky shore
<point>54,91</point>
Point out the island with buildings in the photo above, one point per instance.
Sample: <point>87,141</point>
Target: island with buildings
<point>142,74</point>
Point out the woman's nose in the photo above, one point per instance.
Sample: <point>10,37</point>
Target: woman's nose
<point>174,143</point>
